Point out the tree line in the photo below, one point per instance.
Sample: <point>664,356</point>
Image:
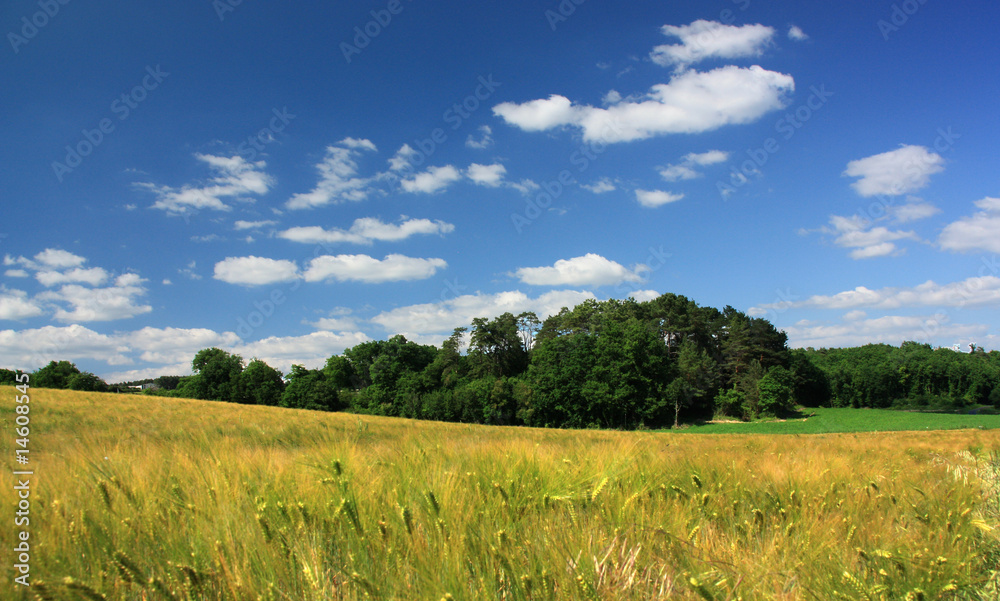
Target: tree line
<point>607,364</point>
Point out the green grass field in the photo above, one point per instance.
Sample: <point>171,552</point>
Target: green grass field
<point>827,421</point>
<point>139,498</point>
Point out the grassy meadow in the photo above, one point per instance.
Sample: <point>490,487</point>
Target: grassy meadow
<point>826,421</point>
<point>152,498</point>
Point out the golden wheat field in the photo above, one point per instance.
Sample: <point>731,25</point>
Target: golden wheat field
<point>152,498</point>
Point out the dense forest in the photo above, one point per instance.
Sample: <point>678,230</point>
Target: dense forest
<point>607,364</point>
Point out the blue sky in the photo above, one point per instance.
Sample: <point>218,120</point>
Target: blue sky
<point>285,181</point>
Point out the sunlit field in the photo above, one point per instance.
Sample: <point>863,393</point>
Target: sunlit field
<point>153,498</point>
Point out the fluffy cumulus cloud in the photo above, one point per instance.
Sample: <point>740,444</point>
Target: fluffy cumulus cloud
<point>255,271</point>
<point>486,175</point>
<point>588,270</point>
<point>15,305</point>
<point>656,198</point>
<point>174,345</point>
<point>686,169</point>
<point>901,171</point>
<point>864,240</point>
<point>363,268</point>
<point>442,317</point>
<point>119,301</point>
<point>339,181</point>
<point>914,210</point>
<point>979,232</point>
<point>33,348</point>
<point>367,230</point>
<point>702,40</point>
<point>890,329</point>
<point>692,102</point>
<point>980,291</point>
<point>235,179</point>
<point>78,297</point>
<point>435,179</point>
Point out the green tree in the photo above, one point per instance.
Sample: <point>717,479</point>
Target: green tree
<point>260,384</point>
<point>496,347</point>
<point>776,391</point>
<point>310,389</point>
<point>217,374</point>
<point>86,381</point>
<point>54,375</point>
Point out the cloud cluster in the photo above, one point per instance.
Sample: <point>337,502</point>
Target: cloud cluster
<point>692,102</point>
<point>79,297</point>
<point>978,291</point>
<point>366,231</point>
<point>339,181</point>
<point>235,179</point>
<point>686,169</point>
<point>864,240</point>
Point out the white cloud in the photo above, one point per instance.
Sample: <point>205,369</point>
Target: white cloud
<point>15,304</point>
<point>979,291</point>
<point>175,345</point>
<point>31,349</point>
<point>656,198</point>
<point>913,211</point>
<point>485,139</point>
<point>100,304</point>
<point>600,186</point>
<point>703,159</point>
<point>234,178</point>
<point>795,33</point>
<point>339,181</point>
<point>588,270</point>
<point>692,102</point>
<point>95,276</point>
<point>189,271</point>
<point>979,232</point>
<point>366,230</point>
<point>335,324</point>
<point>890,329</point>
<point>363,268</point>
<point>311,350</point>
<point>435,179</point>
<point>486,175</point>
<point>906,169</point>
<point>865,241</point>
<point>612,97</point>
<point>401,160</point>
<point>685,170</point>
<point>252,225</point>
<point>47,260</point>
<point>255,271</point>
<point>16,273</point>
<point>444,316</point>
<point>703,40</point>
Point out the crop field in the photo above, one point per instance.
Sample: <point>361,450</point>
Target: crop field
<point>151,498</point>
